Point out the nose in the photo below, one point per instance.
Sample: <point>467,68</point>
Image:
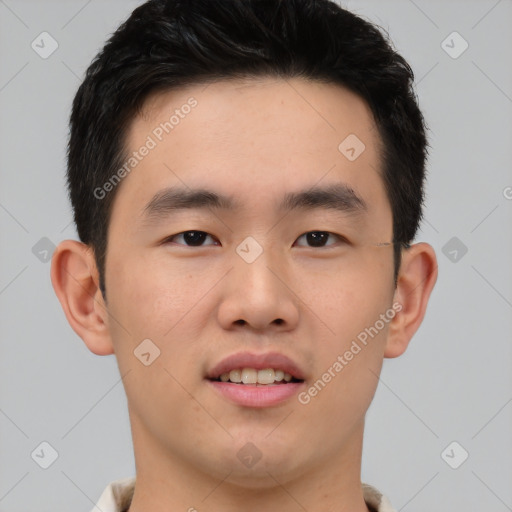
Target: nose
<point>258,295</point>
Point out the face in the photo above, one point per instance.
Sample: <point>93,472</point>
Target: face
<point>207,277</point>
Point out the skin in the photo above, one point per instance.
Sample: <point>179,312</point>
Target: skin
<point>255,140</point>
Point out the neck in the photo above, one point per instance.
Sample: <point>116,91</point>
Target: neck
<point>168,481</point>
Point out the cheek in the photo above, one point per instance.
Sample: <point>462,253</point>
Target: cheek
<point>164,303</point>
<point>348,309</point>
<point>347,372</point>
<point>345,298</point>
<point>151,302</point>
<point>150,297</point>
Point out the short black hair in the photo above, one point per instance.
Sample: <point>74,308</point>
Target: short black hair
<point>169,44</point>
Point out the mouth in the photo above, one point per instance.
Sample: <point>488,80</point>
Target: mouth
<point>257,380</point>
<point>254,377</point>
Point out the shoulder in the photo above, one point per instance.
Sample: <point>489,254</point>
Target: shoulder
<point>376,500</point>
<point>117,496</point>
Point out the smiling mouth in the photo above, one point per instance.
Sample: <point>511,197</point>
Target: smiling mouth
<point>253,377</point>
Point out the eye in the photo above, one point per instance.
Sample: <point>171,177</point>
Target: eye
<point>196,238</point>
<point>319,238</point>
<point>190,238</point>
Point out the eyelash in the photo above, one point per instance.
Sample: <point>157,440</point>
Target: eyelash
<point>340,238</point>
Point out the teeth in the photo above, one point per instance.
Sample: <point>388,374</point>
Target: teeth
<point>249,376</point>
<point>252,376</point>
<point>266,376</point>
<point>234,375</point>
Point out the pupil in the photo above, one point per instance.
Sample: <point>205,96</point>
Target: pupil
<point>194,237</point>
<point>316,238</point>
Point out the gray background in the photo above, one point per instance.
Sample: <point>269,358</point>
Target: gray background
<point>453,384</point>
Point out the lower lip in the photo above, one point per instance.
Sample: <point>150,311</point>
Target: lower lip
<point>250,395</point>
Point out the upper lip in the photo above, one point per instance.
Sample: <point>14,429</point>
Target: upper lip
<point>261,361</point>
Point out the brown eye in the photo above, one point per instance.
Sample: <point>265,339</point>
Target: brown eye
<point>319,238</point>
<point>190,238</point>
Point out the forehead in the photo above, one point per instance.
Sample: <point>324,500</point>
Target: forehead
<point>257,139</point>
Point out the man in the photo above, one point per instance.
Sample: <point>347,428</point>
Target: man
<point>246,177</point>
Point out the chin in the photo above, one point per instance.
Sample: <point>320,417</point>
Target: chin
<point>253,466</point>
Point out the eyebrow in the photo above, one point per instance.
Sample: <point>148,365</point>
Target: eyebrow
<point>339,196</point>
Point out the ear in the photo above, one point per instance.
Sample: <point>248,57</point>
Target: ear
<point>75,279</point>
<point>416,279</point>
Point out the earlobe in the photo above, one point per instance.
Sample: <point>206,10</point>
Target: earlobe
<point>75,280</point>
<point>416,279</point>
